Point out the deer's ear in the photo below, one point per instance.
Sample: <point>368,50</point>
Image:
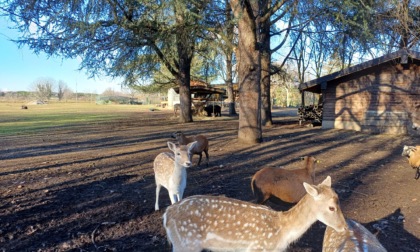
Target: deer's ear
<point>327,181</point>
<point>171,146</point>
<point>311,189</point>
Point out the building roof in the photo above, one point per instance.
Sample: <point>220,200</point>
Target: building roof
<point>316,85</point>
<point>203,90</point>
<point>195,83</point>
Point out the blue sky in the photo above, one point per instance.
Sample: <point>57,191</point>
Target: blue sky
<point>20,68</point>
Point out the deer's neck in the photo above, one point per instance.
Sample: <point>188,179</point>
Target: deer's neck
<point>297,220</point>
<point>312,173</point>
<point>179,172</point>
<point>309,170</point>
<point>184,140</point>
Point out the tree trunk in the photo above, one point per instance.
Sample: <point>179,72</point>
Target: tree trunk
<point>229,84</point>
<point>185,99</point>
<point>249,71</point>
<point>185,48</point>
<point>183,81</point>
<point>266,117</point>
<point>229,55</point>
<point>184,90</point>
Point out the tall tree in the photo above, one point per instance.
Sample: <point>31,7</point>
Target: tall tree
<point>129,39</point>
<point>249,71</point>
<point>399,24</point>
<point>264,27</point>
<point>331,29</point>
<point>228,50</point>
<point>43,88</point>
<point>185,45</point>
<point>272,13</point>
<point>320,49</point>
<point>63,90</point>
<point>224,44</point>
<point>348,26</point>
<point>285,88</point>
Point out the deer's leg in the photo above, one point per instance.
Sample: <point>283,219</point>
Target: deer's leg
<point>173,197</point>
<point>178,197</point>
<point>262,197</point>
<point>158,186</point>
<point>199,160</point>
<point>265,198</point>
<point>207,156</point>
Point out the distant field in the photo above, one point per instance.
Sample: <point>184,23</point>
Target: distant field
<point>14,120</point>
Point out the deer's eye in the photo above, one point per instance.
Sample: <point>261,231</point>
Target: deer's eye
<point>332,209</point>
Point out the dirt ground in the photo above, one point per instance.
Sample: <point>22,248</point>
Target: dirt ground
<point>91,187</point>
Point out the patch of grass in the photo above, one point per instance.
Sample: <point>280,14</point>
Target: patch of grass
<point>14,120</point>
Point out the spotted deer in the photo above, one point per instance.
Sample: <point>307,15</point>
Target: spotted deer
<point>170,171</point>
<point>225,224</point>
<point>355,239</point>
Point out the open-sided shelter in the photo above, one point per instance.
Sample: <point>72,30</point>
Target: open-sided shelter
<point>201,92</point>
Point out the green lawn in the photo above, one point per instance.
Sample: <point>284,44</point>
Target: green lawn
<point>14,120</point>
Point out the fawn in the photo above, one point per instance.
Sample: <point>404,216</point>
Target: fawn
<point>220,223</point>
<point>170,171</point>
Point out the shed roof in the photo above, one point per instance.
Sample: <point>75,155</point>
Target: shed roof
<point>317,85</point>
<point>203,90</point>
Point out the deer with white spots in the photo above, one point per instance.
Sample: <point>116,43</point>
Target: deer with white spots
<point>355,239</point>
<point>225,224</point>
<point>171,171</point>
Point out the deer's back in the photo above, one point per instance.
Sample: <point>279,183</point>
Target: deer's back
<point>284,176</point>
<point>356,238</point>
<point>202,143</point>
<point>414,159</point>
<point>223,222</point>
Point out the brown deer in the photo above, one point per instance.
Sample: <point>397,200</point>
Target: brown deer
<point>287,185</point>
<point>171,171</point>
<point>202,145</point>
<point>225,224</point>
<point>356,238</point>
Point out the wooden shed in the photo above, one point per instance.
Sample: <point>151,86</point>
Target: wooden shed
<point>377,96</point>
<point>201,92</point>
